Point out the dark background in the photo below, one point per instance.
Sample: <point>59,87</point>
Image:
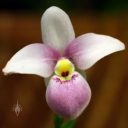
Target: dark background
<point>72,5</point>
<point>78,5</point>
<point>108,79</point>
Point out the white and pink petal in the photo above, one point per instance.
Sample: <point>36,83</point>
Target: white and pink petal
<point>68,98</point>
<point>57,29</point>
<point>38,59</point>
<point>89,48</point>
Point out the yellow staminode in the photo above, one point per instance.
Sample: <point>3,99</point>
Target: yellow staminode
<point>64,68</point>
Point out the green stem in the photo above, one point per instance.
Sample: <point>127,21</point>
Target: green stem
<point>59,122</point>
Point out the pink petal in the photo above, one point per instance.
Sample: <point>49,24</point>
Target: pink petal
<point>35,58</point>
<point>57,29</point>
<point>89,48</point>
<point>68,98</point>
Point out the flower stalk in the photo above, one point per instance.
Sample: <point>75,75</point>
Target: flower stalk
<point>60,123</point>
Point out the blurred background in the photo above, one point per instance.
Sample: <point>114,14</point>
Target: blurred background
<point>108,79</point>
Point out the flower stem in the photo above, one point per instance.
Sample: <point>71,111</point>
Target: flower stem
<point>59,122</point>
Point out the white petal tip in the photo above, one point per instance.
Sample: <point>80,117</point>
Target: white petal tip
<point>5,72</point>
<point>52,10</point>
<point>53,13</point>
<point>118,44</point>
<point>122,46</point>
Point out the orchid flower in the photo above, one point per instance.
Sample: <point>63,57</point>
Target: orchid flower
<point>67,93</point>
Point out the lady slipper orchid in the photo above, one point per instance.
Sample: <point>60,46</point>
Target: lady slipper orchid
<point>68,92</point>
